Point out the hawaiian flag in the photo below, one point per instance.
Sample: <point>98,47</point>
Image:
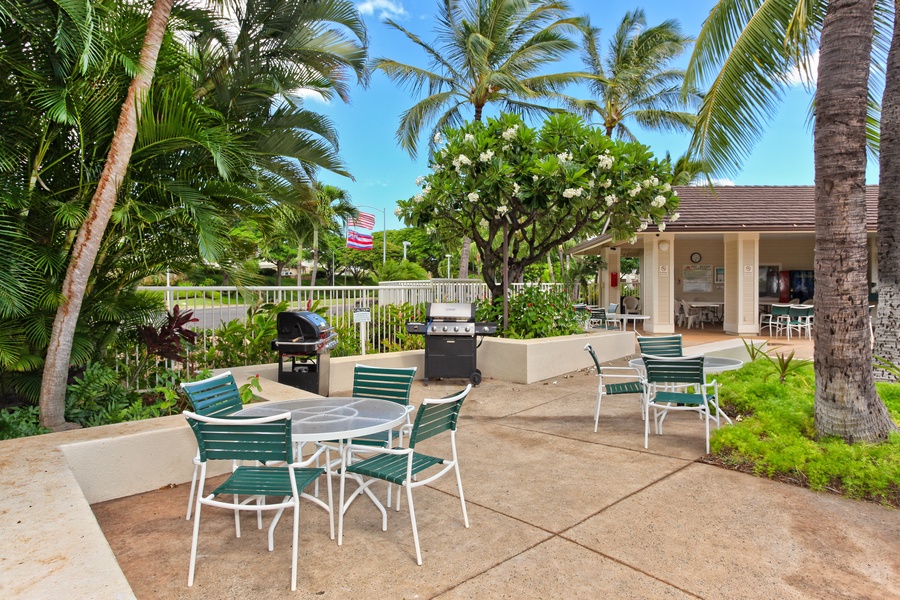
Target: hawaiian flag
<point>358,241</point>
<point>364,220</point>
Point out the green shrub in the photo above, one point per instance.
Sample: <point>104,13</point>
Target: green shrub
<point>20,421</point>
<point>533,313</point>
<point>775,436</point>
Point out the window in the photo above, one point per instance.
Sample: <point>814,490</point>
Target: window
<point>768,281</point>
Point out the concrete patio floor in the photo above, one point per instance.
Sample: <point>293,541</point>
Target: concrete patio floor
<point>556,511</point>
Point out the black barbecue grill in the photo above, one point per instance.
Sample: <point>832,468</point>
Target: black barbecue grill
<point>450,332</point>
<point>306,339</point>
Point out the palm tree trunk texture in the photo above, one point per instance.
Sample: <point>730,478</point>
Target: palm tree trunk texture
<point>90,235</point>
<point>315,265</point>
<point>846,403</point>
<point>887,325</point>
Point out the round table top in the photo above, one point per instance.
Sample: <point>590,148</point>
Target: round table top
<point>627,316</point>
<point>711,364</point>
<point>320,419</point>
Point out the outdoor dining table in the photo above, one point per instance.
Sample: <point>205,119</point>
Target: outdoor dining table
<point>335,418</point>
<point>627,317</point>
<point>711,364</point>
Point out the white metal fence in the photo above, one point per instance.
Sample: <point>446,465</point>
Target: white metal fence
<point>214,306</point>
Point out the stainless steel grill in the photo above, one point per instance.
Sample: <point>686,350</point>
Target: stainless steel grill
<point>304,345</point>
<point>450,332</point>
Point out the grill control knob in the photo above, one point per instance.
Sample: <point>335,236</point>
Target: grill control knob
<point>433,328</point>
<point>456,329</point>
<point>444,328</point>
<point>466,329</point>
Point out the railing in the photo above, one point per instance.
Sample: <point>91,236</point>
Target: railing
<point>216,305</point>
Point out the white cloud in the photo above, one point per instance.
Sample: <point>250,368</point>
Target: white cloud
<point>386,9</point>
<point>312,95</point>
<point>805,77</point>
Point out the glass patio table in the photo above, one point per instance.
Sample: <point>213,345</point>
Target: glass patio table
<point>711,364</point>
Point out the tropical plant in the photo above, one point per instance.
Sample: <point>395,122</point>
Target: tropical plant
<point>533,313</point>
<point>636,82</point>
<point>400,271</point>
<point>786,365</point>
<point>751,50</point>
<point>486,51</point>
<point>536,189</point>
<point>755,351</point>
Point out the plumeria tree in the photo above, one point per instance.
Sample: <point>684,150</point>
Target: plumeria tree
<point>543,186</point>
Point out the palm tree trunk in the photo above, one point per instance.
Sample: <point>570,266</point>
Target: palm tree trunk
<point>846,403</point>
<point>887,325</point>
<point>90,234</point>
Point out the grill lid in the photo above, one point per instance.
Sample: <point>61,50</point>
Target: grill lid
<point>303,332</point>
<point>459,312</point>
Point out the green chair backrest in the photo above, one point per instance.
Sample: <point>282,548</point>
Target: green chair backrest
<point>236,440</point>
<point>383,383</point>
<point>674,370</point>
<point>663,345</point>
<point>214,397</point>
<point>437,416</point>
<point>590,350</point>
<point>780,310</point>
<point>800,311</point>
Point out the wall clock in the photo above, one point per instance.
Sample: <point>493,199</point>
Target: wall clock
<point>695,257</point>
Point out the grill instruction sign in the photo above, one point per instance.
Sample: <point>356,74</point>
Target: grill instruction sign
<point>362,314</point>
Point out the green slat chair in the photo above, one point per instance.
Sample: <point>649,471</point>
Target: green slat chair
<point>401,465</point>
<point>665,376</point>
<point>777,318</point>
<point>661,345</point>
<point>214,397</point>
<point>600,320</point>
<point>263,440</point>
<point>799,319</point>
<point>635,385</point>
<point>383,383</point>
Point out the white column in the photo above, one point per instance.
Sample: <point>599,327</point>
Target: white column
<point>608,294</point>
<point>741,283</point>
<point>658,283</point>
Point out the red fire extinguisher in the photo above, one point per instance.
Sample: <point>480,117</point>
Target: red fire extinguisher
<point>613,279</point>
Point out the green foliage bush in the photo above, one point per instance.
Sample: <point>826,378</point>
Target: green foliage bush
<point>775,436</point>
<point>533,313</point>
<point>20,421</point>
<point>243,342</point>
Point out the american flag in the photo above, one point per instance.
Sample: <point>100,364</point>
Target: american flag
<point>364,220</point>
<point>358,241</point>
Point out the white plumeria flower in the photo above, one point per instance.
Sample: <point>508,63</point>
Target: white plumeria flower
<point>662,226</point>
<point>469,138</point>
<point>534,177</point>
<point>473,196</point>
<point>398,212</point>
<point>515,188</point>
<point>502,210</point>
<point>427,189</point>
<point>634,191</point>
<point>606,183</point>
<point>591,183</point>
<point>633,240</point>
<point>610,199</point>
<point>510,133</point>
<point>604,161</point>
<point>420,180</point>
<point>486,156</point>
<point>674,217</point>
<point>654,180</point>
<point>438,138</point>
<point>564,157</point>
<point>437,168</point>
<point>667,187</point>
<point>643,226</point>
<point>646,183</point>
<point>418,198</point>
<point>572,193</point>
<point>483,223</point>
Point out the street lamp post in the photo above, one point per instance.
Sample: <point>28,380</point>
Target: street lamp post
<point>405,246</point>
<point>448,265</point>
<point>384,230</point>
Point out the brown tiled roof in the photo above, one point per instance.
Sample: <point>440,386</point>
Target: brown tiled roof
<point>755,208</point>
<point>777,208</point>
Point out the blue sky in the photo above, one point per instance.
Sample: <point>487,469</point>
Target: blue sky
<point>384,172</point>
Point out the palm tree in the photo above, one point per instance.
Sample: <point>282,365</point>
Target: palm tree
<point>334,206</point>
<point>751,53</point>
<point>486,52</point>
<point>636,82</point>
<point>887,338</point>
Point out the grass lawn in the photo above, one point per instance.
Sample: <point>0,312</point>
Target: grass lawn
<point>774,436</point>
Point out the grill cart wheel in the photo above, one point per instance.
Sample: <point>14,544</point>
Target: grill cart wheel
<point>475,377</point>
